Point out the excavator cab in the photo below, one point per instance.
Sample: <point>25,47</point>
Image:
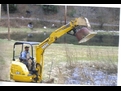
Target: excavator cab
<point>18,47</point>
<point>18,69</point>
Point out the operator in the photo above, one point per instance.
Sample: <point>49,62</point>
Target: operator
<point>26,58</point>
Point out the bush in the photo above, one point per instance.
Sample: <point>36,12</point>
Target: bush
<point>71,13</point>
<point>12,7</point>
<point>49,9</point>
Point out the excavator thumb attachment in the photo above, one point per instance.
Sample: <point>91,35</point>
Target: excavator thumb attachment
<point>84,34</point>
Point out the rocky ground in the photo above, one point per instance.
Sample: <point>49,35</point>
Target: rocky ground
<point>84,74</point>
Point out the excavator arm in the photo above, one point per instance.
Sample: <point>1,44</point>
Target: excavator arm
<point>71,28</point>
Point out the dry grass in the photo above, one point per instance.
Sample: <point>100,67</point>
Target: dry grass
<point>5,58</point>
<point>66,57</point>
<point>61,59</point>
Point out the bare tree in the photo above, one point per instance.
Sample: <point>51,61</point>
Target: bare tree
<point>102,16</point>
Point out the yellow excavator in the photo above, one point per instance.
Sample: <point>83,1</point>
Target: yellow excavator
<point>78,27</point>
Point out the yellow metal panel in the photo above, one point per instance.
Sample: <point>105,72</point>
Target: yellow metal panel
<point>21,78</point>
<point>19,72</point>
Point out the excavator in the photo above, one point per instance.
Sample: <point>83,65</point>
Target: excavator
<point>78,27</point>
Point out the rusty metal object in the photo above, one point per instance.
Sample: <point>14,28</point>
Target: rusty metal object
<point>84,34</point>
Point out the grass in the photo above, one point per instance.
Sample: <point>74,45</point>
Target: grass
<point>38,34</point>
<point>102,57</point>
<point>82,52</point>
<point>65,53</point>
<point>24,29</point>
<point>57,55</point>
<point>22,33</point>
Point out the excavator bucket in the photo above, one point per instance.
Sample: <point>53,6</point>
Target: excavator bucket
<point>84,34</point>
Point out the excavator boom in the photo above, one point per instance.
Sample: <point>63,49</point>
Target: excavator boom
<point>79,27</point>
